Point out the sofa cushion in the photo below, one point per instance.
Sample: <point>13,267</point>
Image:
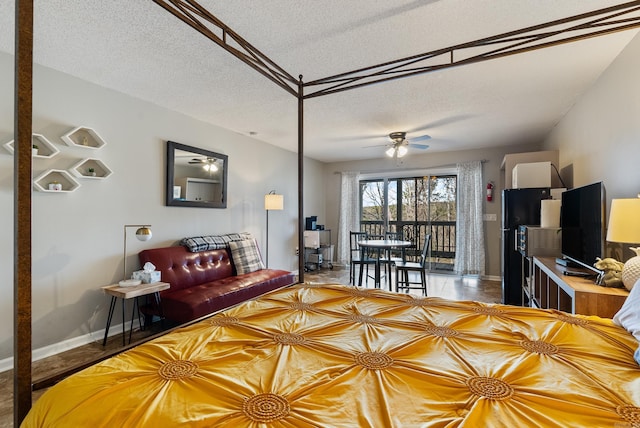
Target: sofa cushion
<point>246,256</point>
<point>212,242</point>
<point>183,269</point>
<point>191,303</point>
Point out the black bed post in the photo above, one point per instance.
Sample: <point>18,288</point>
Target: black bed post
<point>22,188</point>
<point>300,181</point>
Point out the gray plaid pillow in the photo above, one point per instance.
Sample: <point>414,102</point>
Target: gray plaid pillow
<point>246,256</point>
<point>212,242</point>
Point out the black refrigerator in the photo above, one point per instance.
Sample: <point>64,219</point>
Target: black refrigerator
<point>519,207</point>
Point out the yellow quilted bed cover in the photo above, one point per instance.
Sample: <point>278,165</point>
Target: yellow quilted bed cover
<point>339,356</point>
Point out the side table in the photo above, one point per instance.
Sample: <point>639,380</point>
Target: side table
<point>116,291</point>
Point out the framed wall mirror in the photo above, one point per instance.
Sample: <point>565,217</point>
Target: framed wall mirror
<point>195,177</point>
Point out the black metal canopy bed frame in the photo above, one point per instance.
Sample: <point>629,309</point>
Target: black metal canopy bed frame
<point>600,22</point>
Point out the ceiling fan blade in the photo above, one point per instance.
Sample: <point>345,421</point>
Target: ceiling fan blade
<point>424,137</point>
<point>419,146</point>
<point>441,122</point>
<point>377,145</point>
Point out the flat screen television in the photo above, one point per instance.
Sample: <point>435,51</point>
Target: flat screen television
<point>582,220</point>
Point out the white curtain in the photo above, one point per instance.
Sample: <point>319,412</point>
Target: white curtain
<point>349,216</point>
<point>470,256</point>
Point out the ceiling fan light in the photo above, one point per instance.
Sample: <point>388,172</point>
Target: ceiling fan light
<point>402,150</point>
<point>210,167</point>
<point>390,151</point>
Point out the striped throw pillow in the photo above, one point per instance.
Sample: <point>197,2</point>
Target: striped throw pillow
<point>246,256</point>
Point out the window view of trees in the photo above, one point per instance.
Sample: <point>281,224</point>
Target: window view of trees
<point>415,206</point>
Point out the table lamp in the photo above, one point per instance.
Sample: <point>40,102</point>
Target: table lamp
<point>624,226</point>
<point>276,203</point>
<point>143,234</point>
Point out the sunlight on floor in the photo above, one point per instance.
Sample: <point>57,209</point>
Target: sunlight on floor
<point>448,286</point>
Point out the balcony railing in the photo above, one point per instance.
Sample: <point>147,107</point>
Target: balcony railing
<point>442,252</point>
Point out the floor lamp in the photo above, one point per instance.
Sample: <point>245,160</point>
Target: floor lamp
<point>143,234</point>
<point>272,202</point>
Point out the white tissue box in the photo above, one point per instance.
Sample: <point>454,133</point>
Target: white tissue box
<point>147,277</point>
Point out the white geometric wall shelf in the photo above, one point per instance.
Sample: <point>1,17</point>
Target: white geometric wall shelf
<point>83,136</point>
<point>91,168</point>
<point>46,181</point>
<point>46,149</point>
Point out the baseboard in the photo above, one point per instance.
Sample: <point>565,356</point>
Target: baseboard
<point>492,278</point>
<point>65,345</point>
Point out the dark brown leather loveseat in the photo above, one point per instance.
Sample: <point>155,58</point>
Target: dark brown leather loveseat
<point>206,281</point>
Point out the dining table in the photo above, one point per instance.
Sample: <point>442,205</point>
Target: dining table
<point>381,245</point>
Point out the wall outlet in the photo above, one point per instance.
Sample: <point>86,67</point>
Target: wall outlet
<point>297,251</point>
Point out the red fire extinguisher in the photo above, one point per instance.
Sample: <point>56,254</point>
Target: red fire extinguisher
<point>489,191</point>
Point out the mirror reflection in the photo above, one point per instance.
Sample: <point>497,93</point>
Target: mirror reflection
<point>195,177</point>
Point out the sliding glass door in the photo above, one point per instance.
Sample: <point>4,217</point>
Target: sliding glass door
<point>414,207</point>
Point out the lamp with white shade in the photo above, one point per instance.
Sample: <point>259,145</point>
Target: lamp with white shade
<point>143,234</point>
<point>272,202</point>
<point>624,227</point>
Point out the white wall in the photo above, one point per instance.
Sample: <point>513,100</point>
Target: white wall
<point>78,236</point>
<point>599,138</point>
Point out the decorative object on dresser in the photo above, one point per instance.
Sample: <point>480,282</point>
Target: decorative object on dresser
<point>624,226</point>
<point>143,234</point>
<point>611,272</point>
<point>272,202</point>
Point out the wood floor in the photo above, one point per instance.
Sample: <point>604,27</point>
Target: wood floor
<point>440,285</point>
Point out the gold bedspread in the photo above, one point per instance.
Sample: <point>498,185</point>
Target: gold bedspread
<point>339,356</point>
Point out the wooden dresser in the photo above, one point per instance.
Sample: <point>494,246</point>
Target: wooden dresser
<point>550,288</point>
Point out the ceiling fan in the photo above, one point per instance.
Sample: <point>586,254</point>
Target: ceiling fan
<point>209,164</point>
<point>400,145</point>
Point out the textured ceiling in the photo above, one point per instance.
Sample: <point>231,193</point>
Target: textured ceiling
<point>138,48</point>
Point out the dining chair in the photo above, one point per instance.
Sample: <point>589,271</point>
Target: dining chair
<point>383,255</point>
<point>394,256</point>
<point>403,281</point>
<point>357,257</point>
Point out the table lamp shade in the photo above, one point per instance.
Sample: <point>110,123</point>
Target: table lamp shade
<point>624,226</point>
<point>273,202</point>
<point>624,221</point>
<point>144,233</point>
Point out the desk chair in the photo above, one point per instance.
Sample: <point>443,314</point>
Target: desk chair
<point>357,257</point>
<point>403,269</point>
